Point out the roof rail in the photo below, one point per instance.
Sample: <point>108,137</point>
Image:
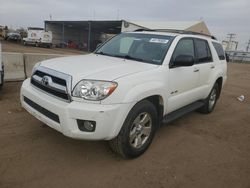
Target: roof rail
<point>178,31</point>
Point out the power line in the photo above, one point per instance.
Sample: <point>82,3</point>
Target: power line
<point>231,36</point>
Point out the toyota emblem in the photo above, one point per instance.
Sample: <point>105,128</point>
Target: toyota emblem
<point>46,80</point>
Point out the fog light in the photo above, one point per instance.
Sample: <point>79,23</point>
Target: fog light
<point>86,126</point>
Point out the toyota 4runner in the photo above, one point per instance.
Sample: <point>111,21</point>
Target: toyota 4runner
<point>128,87</point>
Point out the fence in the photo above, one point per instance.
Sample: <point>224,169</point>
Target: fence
<point>239,57</point>
<point>18,66</point>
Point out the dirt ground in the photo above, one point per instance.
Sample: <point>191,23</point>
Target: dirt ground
<point>203,151</point>
<point>11,46</point>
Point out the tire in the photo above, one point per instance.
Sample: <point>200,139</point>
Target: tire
<point>211,100</point>
<point>137,131</point>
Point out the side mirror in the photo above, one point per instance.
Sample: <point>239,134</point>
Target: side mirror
<point>227,57</point>
<point>183,61</point>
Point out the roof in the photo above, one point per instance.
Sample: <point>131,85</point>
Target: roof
<point>156,33</point>
<point>174,34</point>
<point>194,26</point>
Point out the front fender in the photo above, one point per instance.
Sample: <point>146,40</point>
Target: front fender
<point>142,91</point>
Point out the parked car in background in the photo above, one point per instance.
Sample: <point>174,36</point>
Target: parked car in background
<point>1,68</point>
<point>13,36</point>
<point>38,37</point>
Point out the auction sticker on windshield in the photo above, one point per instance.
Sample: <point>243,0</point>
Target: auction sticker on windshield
<point>162,41</point>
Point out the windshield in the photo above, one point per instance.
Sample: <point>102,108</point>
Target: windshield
<point>148,48</point>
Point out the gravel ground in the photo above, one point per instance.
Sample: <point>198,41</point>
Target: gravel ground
<point>195,151</point>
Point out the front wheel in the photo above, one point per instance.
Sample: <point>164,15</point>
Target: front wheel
<point>137,131</point>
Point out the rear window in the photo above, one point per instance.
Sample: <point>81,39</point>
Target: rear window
<point>203,51</point>
<point>219,50</point>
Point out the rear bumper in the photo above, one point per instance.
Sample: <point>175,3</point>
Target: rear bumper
<point>109,118</point>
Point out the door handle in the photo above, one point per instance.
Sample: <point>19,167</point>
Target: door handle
<point>212,67</point>
<point>196,70</point>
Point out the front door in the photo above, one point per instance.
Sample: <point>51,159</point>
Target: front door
<point>183,80</point>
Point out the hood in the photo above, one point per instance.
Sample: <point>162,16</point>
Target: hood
<point>96,67</point>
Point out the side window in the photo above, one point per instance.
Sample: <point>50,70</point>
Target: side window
<point>219,50</point>
<point>184,47</point>
<point>203,53</point>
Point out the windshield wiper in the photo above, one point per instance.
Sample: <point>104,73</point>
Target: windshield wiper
<point>102,53</point>
<point>122,56</point>
<point>130,58</point>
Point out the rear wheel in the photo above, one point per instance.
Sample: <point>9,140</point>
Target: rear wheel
<point>211,100</point>
<point>137,131</point>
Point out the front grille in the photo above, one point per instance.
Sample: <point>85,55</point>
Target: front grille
<point>55,79</point>
<point>49,90</point>
<point>42,110</point>
<point>52,82</point>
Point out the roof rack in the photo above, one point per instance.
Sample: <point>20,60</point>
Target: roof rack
<point>178,31</point>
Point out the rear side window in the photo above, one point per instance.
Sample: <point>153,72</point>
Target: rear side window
<point>203,53</point>
<point>219,50</point>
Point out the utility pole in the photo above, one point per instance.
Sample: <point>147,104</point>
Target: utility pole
<point>230,37</point>
<point>248,46</point>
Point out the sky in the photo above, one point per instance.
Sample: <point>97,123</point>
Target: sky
<point>221,16</point>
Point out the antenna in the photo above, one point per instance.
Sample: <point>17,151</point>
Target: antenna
<point>94,14</point>
<point>118,14</point>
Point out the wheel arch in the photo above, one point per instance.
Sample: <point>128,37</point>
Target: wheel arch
<point>219,81</point>
<point>157,101</point>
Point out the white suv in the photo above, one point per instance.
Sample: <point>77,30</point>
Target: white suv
<point>125,89</point>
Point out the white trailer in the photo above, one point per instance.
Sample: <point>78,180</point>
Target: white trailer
<point>38,37</point>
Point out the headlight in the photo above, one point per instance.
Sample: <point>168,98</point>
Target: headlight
<point>94,90</point>
<point>36,66</point>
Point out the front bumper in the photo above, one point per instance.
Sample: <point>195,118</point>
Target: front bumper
<point>109,118</point>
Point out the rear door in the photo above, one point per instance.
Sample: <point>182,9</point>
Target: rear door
<point>205,65</point>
